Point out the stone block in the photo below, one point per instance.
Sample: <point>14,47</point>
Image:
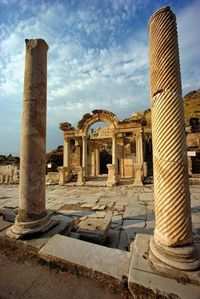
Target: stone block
<point>146,196</point>
<point>145,281</point>
<point>8,215</point>
<point>135,213</point>
<point>113,238</point>
<point>123,241</point>
<point>92,259</point>
<point>4,224</point>
<point>94,229</point>
<point>63,225</point>
<point>133,227</point>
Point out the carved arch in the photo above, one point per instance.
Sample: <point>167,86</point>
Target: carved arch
<point>96,116</point>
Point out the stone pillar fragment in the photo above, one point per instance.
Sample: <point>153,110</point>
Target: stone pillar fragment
<point>32,216</point>
<point>172,242</point>
<point>112,175</point>
<point>81,176</point>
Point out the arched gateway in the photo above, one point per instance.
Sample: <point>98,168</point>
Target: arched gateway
<point>82,156</point>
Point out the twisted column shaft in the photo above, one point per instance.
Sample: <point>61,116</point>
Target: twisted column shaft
<point>171,181</point>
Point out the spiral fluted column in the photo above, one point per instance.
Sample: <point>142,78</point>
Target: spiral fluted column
<point>172,241</point>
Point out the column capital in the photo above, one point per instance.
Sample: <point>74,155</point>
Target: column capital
<point>67,138</point>
<point>84,138</point>
<point>33,43</point>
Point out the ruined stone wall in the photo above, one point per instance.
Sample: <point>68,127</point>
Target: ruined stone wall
<point>52,178</point>
<point>9,174</point>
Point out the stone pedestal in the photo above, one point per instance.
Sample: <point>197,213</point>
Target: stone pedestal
<point>81,176</point>
<point>138,175</point>
<point>64,175</point>
<point>112,176</point>
<point>158,280</point>
<point>172,243</point>
<point>32,216</point>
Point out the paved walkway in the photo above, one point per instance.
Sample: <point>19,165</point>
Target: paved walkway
<point>131,210</point>
<point>24,280</point>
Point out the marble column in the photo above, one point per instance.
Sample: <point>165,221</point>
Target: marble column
<point>172,242</point>
<point>64,171</point>
<point>139,148</point>
<point>114,150</point>
<point>32,216</point>
<point>84,154</point>
<point>138,166</point>
<point>97,158</point>
<point>66,152</point>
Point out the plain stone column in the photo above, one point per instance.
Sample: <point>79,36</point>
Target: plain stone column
<point>97,156</point>
<point>84,153</point>
<point>32,215</point>
<point>66,152</point>
<point>172,242</point>
<point>114,150</point>
<point>138,166</point>
<point>139,148</point>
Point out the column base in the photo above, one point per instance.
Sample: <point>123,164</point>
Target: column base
<point>20,230</point>
<point>150,278</point>
<point>184,258</point>
<point>138,183</point>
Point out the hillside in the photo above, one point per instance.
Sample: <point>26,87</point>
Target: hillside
<point>191,106</point>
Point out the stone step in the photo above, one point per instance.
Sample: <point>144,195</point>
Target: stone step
<point>106,265</point>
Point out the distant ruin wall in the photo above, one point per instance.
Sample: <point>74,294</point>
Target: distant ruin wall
<point>9,174</point>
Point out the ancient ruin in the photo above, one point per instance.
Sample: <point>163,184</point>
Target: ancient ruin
<point>142,254</point>
<point>32,215</point>
<point>125,140</point>
<point>172,241</point>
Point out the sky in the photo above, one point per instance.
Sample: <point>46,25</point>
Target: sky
<point>98,58</point>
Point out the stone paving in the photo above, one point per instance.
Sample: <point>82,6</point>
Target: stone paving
<point>130,209</point>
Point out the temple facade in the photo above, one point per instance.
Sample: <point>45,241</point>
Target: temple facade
<point>120,149</point>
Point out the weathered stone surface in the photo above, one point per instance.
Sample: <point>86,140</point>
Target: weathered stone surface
<point>94,229</point>
<point>95,258</point>
<point>123,241</point>
<point>146,282</point>
<point>113,238</point>
<point>133,227</point>
<point>146,196</point>
<point>8,215</point>
<point>4,224</point>
<point>135,213</point>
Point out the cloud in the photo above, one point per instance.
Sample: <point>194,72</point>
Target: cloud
<point>97,58</point>
<point>189,44</point>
